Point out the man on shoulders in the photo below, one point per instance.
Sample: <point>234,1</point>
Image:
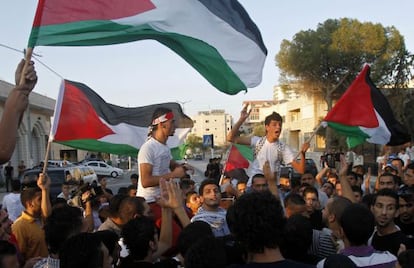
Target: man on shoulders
<point>268,148</point>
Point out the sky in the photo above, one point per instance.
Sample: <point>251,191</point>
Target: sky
<point>145,72</point>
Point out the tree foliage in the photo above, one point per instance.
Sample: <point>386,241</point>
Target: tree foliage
<point>326,60</point>
<point>194,141</point>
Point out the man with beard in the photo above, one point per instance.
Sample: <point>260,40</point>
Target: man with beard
<point>155,162</point>
<point>387,235</point>
<point>268,148</point>
<point>210,211</point>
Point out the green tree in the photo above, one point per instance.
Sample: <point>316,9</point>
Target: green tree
<point>194,141</point>
<point>259,129</point>
<point>326,60</point>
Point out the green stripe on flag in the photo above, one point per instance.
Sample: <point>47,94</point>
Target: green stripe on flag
<point>354,134</point>
<point>99,146</point>
<point>211,64</point>
<point>245,150</point>
<point>118,149</point>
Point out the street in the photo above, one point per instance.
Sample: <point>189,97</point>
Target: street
<point>123,181</point>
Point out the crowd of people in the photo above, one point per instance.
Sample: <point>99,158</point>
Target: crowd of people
<point>338,218</point>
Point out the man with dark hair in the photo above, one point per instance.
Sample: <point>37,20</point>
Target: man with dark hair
<point>295,204</point>
<point>156,162</point>
<point>357,193</point>
<point>313,207</point>
<point>259,231</point>
<point>268,148</point>
<point>28,227</point>
<point>387,235</point>
<point>388,180</point>
<point>405,219</point>
<point>64,222</point>
<point>134,179</point>
<point>140,235</point>
<point>210,210</point>
<point>85,250</point>
<point>408,178</point>
<point>259,183</point>
<point>357,224</point>
<point>114,221</point>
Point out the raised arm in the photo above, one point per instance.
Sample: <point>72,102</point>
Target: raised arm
<point>271,179</point>
<point>300,165</point>
<point>346,186</point>
<point>44,184</point>
<point>232,136</point>
<point>14,108</point>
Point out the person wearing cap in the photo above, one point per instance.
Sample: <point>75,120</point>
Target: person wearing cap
<point>156,162</point>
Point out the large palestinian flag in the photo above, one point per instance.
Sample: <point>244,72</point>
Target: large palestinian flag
<point>217,37</point>
<point>85,121</point>
<point>364,114</point>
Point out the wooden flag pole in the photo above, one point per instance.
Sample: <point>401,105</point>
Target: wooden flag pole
<point>224,166</point>
<point>311,137</point>
<point>46,156</point>
<point>27,58</point>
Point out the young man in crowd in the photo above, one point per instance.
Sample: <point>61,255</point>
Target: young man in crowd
<point>210,210</point>
<point>387,235</point>
<point>28,228</point>
<point>356,225</point>
<point>259,231</point>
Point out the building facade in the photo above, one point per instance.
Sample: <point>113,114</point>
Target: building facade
<point>33,133</point>
<point>301,114</point>
<point>215,122</point>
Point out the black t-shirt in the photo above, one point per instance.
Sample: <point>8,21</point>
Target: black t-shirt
<point>391,242</point>
<point>316,220</point>
<point>407,229</point>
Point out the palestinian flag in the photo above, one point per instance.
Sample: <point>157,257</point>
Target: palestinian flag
<point>238,157</point>
<point>217,38</point>
<point>364,114</point>
<point>85,121</point>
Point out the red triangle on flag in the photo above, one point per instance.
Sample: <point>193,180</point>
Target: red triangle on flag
<point>78,118</point>
<point>355,107</point>
<point>235,160</point>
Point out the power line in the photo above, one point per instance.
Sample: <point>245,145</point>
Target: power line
<point>35,56</point>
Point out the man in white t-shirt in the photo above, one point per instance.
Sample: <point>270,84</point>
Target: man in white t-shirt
<point>156,162</point>
<point>268,148</point>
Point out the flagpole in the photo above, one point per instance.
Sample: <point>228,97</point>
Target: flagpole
<point>311,137</point>
<point>28,57</point>
<point>224,166</point>
<point>46,156</point>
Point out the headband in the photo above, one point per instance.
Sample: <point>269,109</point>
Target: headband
<point>162,118</point>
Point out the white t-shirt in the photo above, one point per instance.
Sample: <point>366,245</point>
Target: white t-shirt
<point>159,156</point>
<point>13,205</point>
<point>270,151</point>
